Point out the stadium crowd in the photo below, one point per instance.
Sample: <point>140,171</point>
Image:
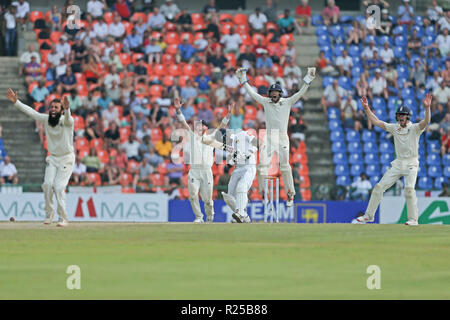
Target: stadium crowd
<point>120,66</point>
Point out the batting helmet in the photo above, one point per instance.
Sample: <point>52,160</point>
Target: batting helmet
<point>403,110</point>
<point>275,87</point>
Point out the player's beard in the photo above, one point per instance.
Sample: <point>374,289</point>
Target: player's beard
<point>275,100</point>
<point>53,120</point>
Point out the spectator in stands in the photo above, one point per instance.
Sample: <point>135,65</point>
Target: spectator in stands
<point>217,60</point>
<point>446,73</point>
<point>360,188</point>
<point>123,9</point>
<point>323,65</point>
<point>231,82</point>
<point>348,113</point>
<point>203,82</point>
<point>93,127</point>
<point>204,113</point>
<point>153,51</point>
<point>121,160</point>
<point>175,170</point>
<point>112,135</point>
<point>184,22</point>
<point>144,174</point>
<point>211,7</point>
<point>185,51</point>
<point>344,64</point>
<point>231,41</point>
<point>188,93</point>
<point>26,58</point>
<point>387,54</point>
<point>385,24</point>
<point>405,13</point>
<point>92,161</point>
<point>60,69</point>
<point>391,75</point>
<point>368,51</point>
<point>89,102</point>
<point>291,80</point>
<point>444,22</point>
<point>441,94</point>
<point>303,16</point>
<point>96,7</point>
<point>332,96</point>
<point>170,10</point>
<point>78,54</point>
<point>257,21</point>
<point>218,94</point>
<point>418,73</point>
<point>114,60</point>
<point>79,171</point>
<point>114,92</point>
<point>378,86</point>
<point>40,93</point>
<point>247,59</point>
<point>163,147</point>
<point>414,45</point>
<point>133,42</point>
<point>294,68</point>
<point>23,12</point>
<point>362,87</point>
<point>55,18</point>
<point>8,175</point>
<point>298,129</point>
<point>112,76</point>
<point>109,115</point>
<point>63,47</point>
<point>434,13</point>
<point>380,3</point>
<point>331,13</point>
<point>373,63</point>
<point>236,119</point>
<point>445,192</point>
<point>10,30</point>
<point>131,148</point>
<point>157,20</point>
<point>271,10</point>
<point>355,33</point>
<point>91,70</point>
<point>112,174</point>
<point>442,43</point>
<point>434,82</point>
<point>116,29</point>
<point>32,71</point>
<point>74,101</point>
<point>103,101</point>
<point>100,29</point>
<point>264,62</point>
<point>286,24</point>
<point>66,82</point>
<point>289,53</point>
<point>153,158</point>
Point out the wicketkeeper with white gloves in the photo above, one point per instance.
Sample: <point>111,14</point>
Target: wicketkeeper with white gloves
<point>406,140</point>
<point>277,110</point>
<point>58,124</point>
<point>201,146</point>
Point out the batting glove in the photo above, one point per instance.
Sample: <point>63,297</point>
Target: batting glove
<point>310,75</point>
<point>241,74</point>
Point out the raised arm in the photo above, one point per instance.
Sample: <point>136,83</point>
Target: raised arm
<point>68,119</point>
<point>223,124</point>
<point>12,96</point>
<point>371,116</point>
<point>241,73</point>
<point>427,103</point>
<point>177,104</point>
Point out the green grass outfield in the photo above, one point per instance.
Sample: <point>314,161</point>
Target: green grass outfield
<point>224,261</point>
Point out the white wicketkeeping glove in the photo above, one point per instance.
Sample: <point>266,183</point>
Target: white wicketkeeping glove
<point>241,74</point>
<point>310,75</point>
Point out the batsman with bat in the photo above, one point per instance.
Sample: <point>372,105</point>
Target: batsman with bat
<point>406,140</point>
<point>58,124</point>
<point>276,110</point>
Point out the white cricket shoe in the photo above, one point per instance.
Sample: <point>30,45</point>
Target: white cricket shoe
<point>241,219</point>
<point>49,220</point>
<point>364,219</point>
<point>290,200</point>
<point>198,220</point>
<point>210,218</point>
<point>411,223</point>
<point>62,223</point>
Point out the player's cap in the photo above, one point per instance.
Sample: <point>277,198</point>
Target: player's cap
<point>204,123</point>
<point>377,70</point>
<point>404,110</point>
<point>275,87</point>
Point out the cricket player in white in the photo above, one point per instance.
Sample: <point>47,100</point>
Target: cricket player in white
<point>58,126</point>
<point>406,140</point>
<point>277,110</point>
<point>243,148</point>
<point>200,177</point>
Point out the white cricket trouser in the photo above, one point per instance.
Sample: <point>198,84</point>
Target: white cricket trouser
<point>57,175</point>
<point>240,183</point>
<point>201,180</point>
<point>279,144</point>
<point>395,172</point>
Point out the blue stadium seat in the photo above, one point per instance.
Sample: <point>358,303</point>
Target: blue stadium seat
<point>343,181</point>
<point>394,103</point>
<point>327,81</point>
<point>354,147</point>
<point>447,171</point>
<point>334,125</point>
<point>368,135</point>
<point>424,183</point>
<point>384,39</point>
<point>402,71</point>
<point>407,93</point>
<point>357,61</point>
<point>434,159</point>
<point>337,32</point>
<point>434,171</point>
<point>316,20</point>
<point>381,114</point>
<point>419,30</point>
<point>338,48</point>
<point>356,72</point>
<point>340,158</point>
<point>439,181</point>
<point>428,39</point>
<point>400,30</point>
<point>354,50</point>
<point>378,102</point>
<point>433,146</point>
<point>430,31</point>
<point>411,103</point>
<point>374,180</point>
<point>386,158</point>
<point>391,116</point>
<point>352,135</point>
<point>386,147</point>
<point>346,19</point>
<point>422,171</point>
<point>384,168</point>
<point>371,158</point>
<point>356,170</point>
<point>418,20</point>
<point>399,53</point>
<point>446,159</point>
<point>337,135</point>
<point>338,146</point>
<point>333,113</point>
<point>341,170</point>
<point>322,30</point>
<point>420,95</point>
<point>370,146</point>
<point>355,158</point>
<point>371,38</point>
<point>401,41</point>
<point>373,170</point>
<point>323,40</point>
<point>345,83</point>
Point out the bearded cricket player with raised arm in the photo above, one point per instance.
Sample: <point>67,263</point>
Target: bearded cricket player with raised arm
<point>276,110</point>
<point>200,177</point>
<point>58,124</point>
<point>406,140</point>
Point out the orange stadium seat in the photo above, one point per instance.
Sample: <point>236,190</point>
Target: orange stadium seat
<point>94,178</point>
<point>225,28</point>
<point>250,112</point>
<point>197,18</point>
<point>141,90</point>
<point>271,25</point>
<point>118,47</point>
<point>128,190</point>
<point>168,59</point>
<point>125,58</point>
<point>225,17</point>
<point>83,152</point>
<point>102,155</point>
<point>240,18</point>
<point>137,15</point>
<point>199,26</point>
<point>190,70</point>
<point>108,17</point>
<point>305,182</point>
<point>96,143</point>
<point>78,123</point>
<point>156,134</point>
<point>126,179</point>
<point>136,56</point>
<point>231,57</point>
<point>306,194</point>
<point>128,26</point>
<point>159,70</point>
<point>285,38</point>
<point>124,133</point>
<point>257,36</point>
<point>172,48</point>
<point>31,86</point>
<point>34,15</point>
<point>156,90</point>
<point>172,38</point>
<point>299,158</point>
<point>260,81</point>
<point>162,168</point>
<point>182,80</point>
<point>132,166</point>
<point>156,34</point>
<point>189,35</point>
<point>170,27</point>
<point>242,29</point>
<point>55,35</point>
<point>168,80</point>
<point>279,70</point>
